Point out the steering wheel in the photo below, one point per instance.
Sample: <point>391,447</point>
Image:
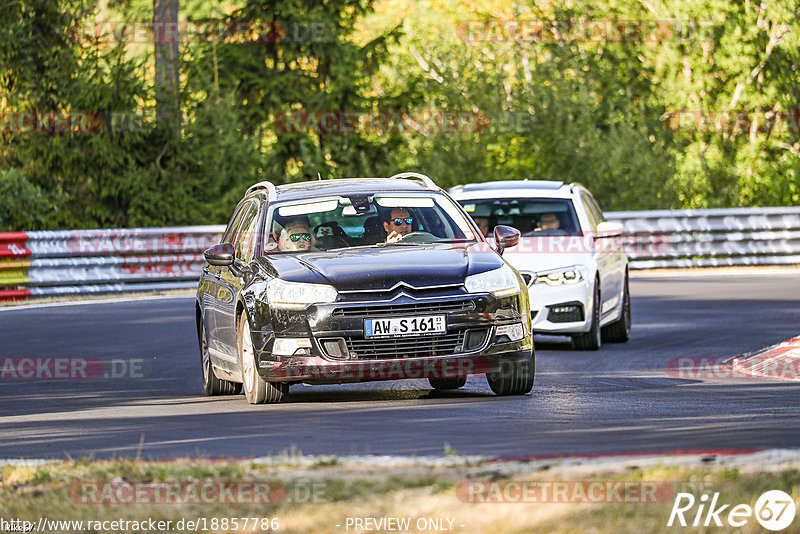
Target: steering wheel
<point>418,237</point>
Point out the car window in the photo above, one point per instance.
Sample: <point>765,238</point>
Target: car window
<point>596,208</point>
<point>595,217</point>
<point>245,231</point>
<point>341,222</point>
<point>236,218</point>
<point>531,216</point>
<point>246,237</point>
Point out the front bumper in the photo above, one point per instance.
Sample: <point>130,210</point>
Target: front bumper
<point>544,298</point>
<point>321,370</point>
<point>336,350</point>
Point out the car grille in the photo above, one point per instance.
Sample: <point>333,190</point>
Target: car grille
<point>405,309</point>
<point>405,347</point>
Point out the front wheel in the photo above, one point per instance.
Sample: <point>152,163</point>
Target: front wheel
<point>620,330</point>
<point>515,377</point>
<point>448,383</point>
<point>256,389</point>
<point>591,340</point>
<point>212,385</point>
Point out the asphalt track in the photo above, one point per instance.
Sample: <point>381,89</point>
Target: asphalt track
<point>618,400</point>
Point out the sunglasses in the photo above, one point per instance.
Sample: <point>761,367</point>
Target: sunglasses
<point>399,221</point>
<point>297,237</point>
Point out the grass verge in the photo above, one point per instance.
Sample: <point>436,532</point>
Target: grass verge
<point>328,496</point>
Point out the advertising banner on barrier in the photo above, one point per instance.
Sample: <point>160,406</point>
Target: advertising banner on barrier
<point>12,245</point>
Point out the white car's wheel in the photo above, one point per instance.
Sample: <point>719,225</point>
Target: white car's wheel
<point>620,330</point>
<point>591,340</point>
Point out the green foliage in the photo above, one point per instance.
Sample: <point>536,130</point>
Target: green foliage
<point>593,111</point>
<point>23,206</point>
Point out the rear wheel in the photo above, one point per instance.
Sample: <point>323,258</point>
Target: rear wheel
<point>515,377</point>
<point>620,330</point>
<point>211,384</point>
<point>591,340</point>
<point>256,389</point>
<point>448,383</point>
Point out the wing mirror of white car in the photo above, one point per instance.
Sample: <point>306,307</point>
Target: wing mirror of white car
<point>609,229</point>
<point>221,255</point>
<point>505,237</point>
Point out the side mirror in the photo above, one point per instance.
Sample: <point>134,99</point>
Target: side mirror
<point>220,255</point>
<point>609,229</point>
<point>505,237</point>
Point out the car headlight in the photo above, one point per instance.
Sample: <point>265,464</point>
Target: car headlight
<point>295,296</point>
<point>502,282</point>
<point>559,277</point>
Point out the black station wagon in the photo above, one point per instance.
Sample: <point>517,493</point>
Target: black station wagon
<point>354,280</point>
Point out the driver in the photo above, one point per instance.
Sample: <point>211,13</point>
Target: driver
<point>296,235</point>
<point>397,224</point>
<point>548,221</point>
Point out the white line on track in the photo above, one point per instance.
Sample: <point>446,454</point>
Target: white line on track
<point>97,301</point>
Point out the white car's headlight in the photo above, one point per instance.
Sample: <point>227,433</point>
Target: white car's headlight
<point>562,276</point>
<point>502,282</point>
<point>295,296</point>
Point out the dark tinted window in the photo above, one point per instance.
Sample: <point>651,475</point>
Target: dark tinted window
<point>341,222</point>
<point>531,216</point>
<point>246,233</point>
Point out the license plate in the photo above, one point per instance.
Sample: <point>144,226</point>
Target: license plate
<point>405,326</point>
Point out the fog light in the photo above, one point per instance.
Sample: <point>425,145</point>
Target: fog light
<point>566,312</point>
<point>289,346</point>
<point>514,332</point>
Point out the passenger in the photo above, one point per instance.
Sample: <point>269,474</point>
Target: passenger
<point>397,224</point>
<point>295,236</point>
<point>548,221</point>
<point>483,225</point>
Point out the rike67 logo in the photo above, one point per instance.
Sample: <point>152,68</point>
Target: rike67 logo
<point>774,510</point>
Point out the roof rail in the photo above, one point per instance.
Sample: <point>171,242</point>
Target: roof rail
<point>272,193</point>
<point>421,177</point>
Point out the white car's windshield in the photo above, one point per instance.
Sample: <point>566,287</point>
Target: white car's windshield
<point>379,219</point>
<point>532,216</point>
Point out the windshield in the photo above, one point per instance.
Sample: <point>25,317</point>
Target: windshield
<point>531,216</point>
<point>380,219</point>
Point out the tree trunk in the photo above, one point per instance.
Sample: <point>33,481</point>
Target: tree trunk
<point>167,40</point>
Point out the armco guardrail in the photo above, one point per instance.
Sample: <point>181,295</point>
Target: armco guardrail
<point>142,259</point>
<point>711,237</point>
<point>36,264</point>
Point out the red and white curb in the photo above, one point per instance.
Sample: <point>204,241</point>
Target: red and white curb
<point>781,361</point>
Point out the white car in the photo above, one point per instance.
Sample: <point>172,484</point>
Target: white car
<point>571,257</point>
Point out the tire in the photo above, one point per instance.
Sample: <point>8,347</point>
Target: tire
<point>515,377</point>
<point>448,383</point>
<point>212,385</point>
<point>256,389</point>
<point>592,339</point>
<point>620,330</point>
